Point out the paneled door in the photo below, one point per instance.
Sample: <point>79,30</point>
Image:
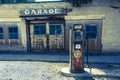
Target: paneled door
<point>46,36</point>
<point>93,36</point>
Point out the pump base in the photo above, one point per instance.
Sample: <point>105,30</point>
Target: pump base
<point>83,76</point>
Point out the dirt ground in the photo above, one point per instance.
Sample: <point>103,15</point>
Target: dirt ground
<point>31,70</point>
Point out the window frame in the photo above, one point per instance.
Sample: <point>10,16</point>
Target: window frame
<point>13,33</point>
<point>39,29</point>
<point>86,32</point>
<point>2,33</point>
<point>55,28</point>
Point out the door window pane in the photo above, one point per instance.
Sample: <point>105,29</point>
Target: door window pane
<point>40,29</point>
<point>13,32</point>
<point>91,31</point>
<point>1,33</point>
<point>55,29</point>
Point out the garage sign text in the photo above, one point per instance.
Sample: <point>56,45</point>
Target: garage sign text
<point>33,12</point>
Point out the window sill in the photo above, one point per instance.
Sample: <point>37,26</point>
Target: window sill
<point>14,41</point>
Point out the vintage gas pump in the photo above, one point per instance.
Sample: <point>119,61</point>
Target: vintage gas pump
<point>76,48</point>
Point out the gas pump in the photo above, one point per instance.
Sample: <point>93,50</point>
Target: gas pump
<point>76,48</point>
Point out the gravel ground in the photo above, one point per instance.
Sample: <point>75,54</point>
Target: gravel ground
<point>27,70</point>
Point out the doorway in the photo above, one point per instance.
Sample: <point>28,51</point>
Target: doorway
<point>93,37</point>
<point>47,36</point>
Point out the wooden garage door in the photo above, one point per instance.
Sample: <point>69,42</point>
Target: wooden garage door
<point>47,36</point>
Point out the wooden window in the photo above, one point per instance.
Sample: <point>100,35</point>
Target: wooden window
<point>91,31</point>
<point>39,29</point>
<point>1,33</point>
<point>55,29</point>
<point>13,32</point>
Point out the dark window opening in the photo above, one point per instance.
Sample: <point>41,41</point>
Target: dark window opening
<point>40,29</point>
<point>13,32</point>
<point>90,31</point>
<point>1,33</point>
<point>55,29</point>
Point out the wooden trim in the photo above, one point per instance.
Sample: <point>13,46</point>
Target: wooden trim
<point>28,36</point>
<point>47,21</point>
<point>14,41</point>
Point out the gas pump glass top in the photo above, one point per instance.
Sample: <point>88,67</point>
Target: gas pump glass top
<point>77,36</point>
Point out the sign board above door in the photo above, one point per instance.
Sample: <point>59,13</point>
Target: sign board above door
<point>43,12</point>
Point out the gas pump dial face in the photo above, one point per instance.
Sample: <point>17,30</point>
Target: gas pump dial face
<point>77,53</point>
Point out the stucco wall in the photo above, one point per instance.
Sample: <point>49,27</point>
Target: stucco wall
<point>110,25</point>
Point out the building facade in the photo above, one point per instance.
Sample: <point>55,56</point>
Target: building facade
<point>45,26</point>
